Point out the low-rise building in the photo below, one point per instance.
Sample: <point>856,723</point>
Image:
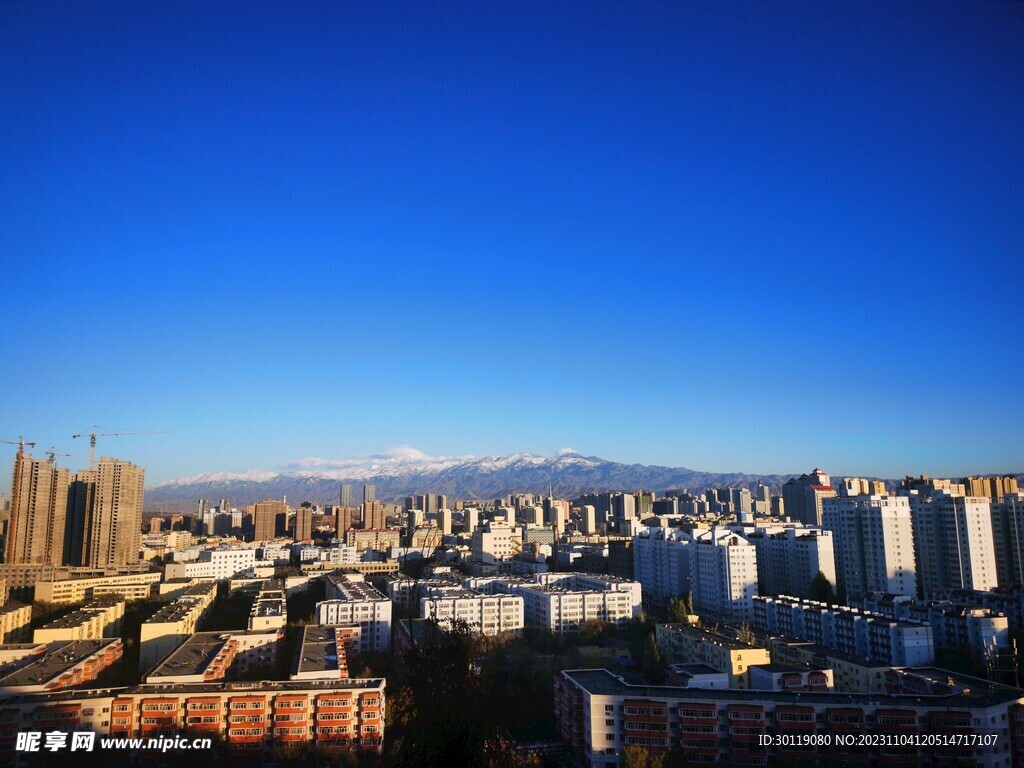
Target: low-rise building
<point>269,609</point>
<point>42,667</point>
<point>100,618</point>
<point>210,656</point>
<point>15,619</point>
<point>599,715</point>
<point>683,644</point>
<point>359,604</point>
<point>214,564</point>
<point>130,586</point>
<point>175,622</point>
<point>487,614</point>
<point>789,677</point>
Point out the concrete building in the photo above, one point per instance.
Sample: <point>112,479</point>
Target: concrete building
<point>488,615</point>
<point>45,668</point>
<point>39,500</point>
<point>1008,538</point>
<point>857,633</point>
<point>683,644</point>
<point>359,604</point>
<point>789,677</point>
<point>15,620</point>
<point>214,564</point>
<point>874,544</point>
<point>269,610</point>
<point>599,715</point>
<point>174,623</point>
<point>496,542</point>
<point>303,528</point>
<point>268,517</point>
<point>789,557</point>
<point>953,545</point>
<point>723,574</point>
<point>100,618</point>
<point>803,497</point>
<point>994,488</point>
<point>113,524</point>
<point>381,539</point>
<point>661,563</point>
<point>88,584</point>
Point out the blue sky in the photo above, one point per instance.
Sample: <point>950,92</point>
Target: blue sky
<point>720,236</point>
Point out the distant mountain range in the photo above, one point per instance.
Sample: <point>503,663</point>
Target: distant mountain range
<point>405,471</point>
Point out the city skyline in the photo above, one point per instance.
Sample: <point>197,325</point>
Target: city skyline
<point>659,236</point>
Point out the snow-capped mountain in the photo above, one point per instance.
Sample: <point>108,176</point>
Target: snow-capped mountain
<point>405,471</point>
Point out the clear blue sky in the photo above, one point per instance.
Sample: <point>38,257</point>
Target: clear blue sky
<point>732,236</point>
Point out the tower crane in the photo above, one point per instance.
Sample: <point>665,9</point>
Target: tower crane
<point>52,454</point>
<point>94,434</point>
<point>20,442</point>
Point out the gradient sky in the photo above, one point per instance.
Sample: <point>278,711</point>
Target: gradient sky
<point>728,236</point>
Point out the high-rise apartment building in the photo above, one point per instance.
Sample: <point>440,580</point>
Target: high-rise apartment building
<point>858,486</point>
<point>374,515</point>
<point>265,518</point>
<point>723,574</point>
<point>874,543</point>
<point>113,526</point>
<point>303,524</point>
<point>369,493</point>
<point>1008,538</point>
<point>803,496</point>
<point>953,544</point>
<point>39,499</point>
<point>995,488</point>
<point>661,563</point>
<point>789,557</point>
<point>81,490</point>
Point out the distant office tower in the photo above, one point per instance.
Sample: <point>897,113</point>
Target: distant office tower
<point>470,519</point>
<point>953,543</point>
<point>858,486</point>
<point>874,544</point>
<point>346,496</point>
<point>410,503</point>
<point>995,488</point>
<point>723,574</point>
<point>113,526</point>
<point>1008,537</point>
<point>265,518</point>
<point>346,515</point>
<point>39,500</point>
<point>588,519</point>
<point>444,521</point>
<point>624,507</point>
<point>155,524</point>
<point>369,493</point>
<point>303,524</point>
<point>804,495</point>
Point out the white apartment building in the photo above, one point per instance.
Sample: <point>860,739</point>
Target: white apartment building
<point>131,586</point>
<point>789,557</point>
<point>357,603</point>
<point>487,614</point>
<point>661,563</point>
<point>953,543</point>
<point>216,564</point>
<point>723,574</point>
<point>496,542</point>
<point>874,543</point>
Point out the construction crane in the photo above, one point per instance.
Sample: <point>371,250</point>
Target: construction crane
<point>94,434</point>
<point>20,442</point>
<point>52,454</point>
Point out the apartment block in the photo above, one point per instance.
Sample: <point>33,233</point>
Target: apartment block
<point>130,586</point>
<point>174,623</point>
<point>359,604</point>
<point>866,635</point>
<point>789,558</point>
<point>599,715</point>
<point>723,574</point>
<point>215,564</point>
<point>661,563</point>
<point>683,644</point>
<point>953,544</point>
<point>488,615</point>
<point>873,542</point>
<point>98,619</point>
<point>269,610</point>
<point>15,619</point>
<point>57,666</point>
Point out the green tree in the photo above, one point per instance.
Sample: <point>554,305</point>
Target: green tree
<point>638,757</point>
<point>591,632</point>
<point>651,661</point>
<point>821,589</point>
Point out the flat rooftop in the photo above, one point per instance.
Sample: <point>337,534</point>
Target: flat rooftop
<point>601,682</point>
<point>356,590</point>
<point>38,669</point>
<point>320,652</point>
<point>709,637</point>
<point>193,656</point>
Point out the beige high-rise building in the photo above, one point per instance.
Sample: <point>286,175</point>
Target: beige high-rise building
<point>303,524</point>
<point>265,515</point>
<point>113,521</point>
<point>39,500</point>
<point>374,516</point>
<point>995,488</point>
